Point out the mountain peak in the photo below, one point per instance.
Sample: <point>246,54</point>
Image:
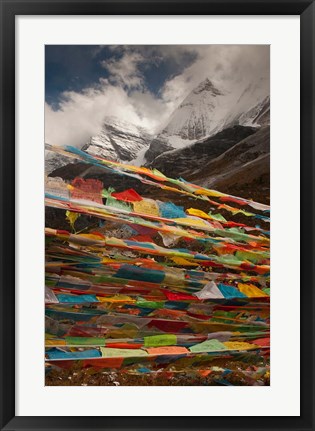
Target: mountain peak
<point>195,117</point>
<point>208,109</point>
<point>207,85</point>
<point>118,140</point>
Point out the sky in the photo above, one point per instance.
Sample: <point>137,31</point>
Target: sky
<point>141,84</point>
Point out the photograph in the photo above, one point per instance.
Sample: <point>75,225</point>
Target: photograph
<point>157,215</point>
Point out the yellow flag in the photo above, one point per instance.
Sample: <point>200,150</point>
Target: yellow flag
<point>239,345</point>
<point>251,291</point>
<point>198,213</point>
<point>72,217</point>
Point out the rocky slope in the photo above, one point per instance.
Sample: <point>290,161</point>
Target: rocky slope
<point>246,162</point>
<point>235,161</point>
<point>187,161</point>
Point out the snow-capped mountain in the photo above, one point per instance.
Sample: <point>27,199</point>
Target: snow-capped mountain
<point>208,110</point>
<point>195,116</point>
<point>118,140</point>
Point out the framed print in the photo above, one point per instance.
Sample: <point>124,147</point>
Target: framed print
<point>157,215</point>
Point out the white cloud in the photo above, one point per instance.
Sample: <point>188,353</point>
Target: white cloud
<point>81,115</point>
<point>125,71</point>
<point>151,110</point>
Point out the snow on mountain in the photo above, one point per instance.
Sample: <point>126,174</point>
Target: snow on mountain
<point>259,115</point>
<point>196,115</point>
<point>140,159</point>
<point>207,110</point>
<point>118,140</point>
<point>54,161</point>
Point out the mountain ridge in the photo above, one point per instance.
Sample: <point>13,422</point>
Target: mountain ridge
<point>206,111</point>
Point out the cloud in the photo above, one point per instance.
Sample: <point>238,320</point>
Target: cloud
<point>125,71</point>
<point>80,115</point>
<point>150,109</point>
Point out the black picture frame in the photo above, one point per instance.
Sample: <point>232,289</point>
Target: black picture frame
<point>9,10</point>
